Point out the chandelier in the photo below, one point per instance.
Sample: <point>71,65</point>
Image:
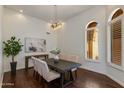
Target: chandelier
<point>56,24</point>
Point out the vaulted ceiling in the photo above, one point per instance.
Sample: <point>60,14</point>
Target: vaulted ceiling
<point>46,12</point>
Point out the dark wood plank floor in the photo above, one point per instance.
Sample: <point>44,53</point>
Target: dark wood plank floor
<point>86,79</point>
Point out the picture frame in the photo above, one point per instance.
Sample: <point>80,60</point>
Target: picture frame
<point>35,45</point>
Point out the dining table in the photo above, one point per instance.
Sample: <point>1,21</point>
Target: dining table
<point>62,67</point>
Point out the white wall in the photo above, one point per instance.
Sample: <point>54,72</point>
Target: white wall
<point>21,26</point>
<point>71,39</point>
<point>1,62</point>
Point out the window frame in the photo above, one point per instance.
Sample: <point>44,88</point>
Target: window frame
<point>86,47</point>
<point>109,41</point>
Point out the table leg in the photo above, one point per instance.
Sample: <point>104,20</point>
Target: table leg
<point>46,57</point>
<point>26,63</point>
<point>62,80</point>
<point>71,76</point>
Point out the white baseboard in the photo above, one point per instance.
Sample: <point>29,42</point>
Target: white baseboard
<point>1,81</point>
<point>116,80</point>
<point>93,70</point>
<point>18,68</point>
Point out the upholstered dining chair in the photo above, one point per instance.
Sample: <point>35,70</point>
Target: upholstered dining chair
<point>44,71</point>
<point>33,60</point>
<point>72,58</point>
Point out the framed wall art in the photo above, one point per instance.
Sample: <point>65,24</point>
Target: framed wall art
<point>35,45</point>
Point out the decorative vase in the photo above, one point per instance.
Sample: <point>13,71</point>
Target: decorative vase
<point>56,59</point>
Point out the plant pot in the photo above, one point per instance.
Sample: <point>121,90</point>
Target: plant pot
<point>13,68</point>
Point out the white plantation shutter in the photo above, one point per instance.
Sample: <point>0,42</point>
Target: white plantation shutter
<point>116,38</point>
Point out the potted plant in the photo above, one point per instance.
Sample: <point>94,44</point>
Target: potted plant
<point>12,48</point>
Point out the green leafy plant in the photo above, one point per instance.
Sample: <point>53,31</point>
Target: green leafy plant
<point>56,51</point>
<point>12,47</point>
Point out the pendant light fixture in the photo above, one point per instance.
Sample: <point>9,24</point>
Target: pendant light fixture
<point>56,24</point>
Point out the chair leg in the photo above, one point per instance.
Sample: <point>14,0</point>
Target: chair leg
<point>33,73</point>
<point>76,74</point>
<point>42,81</point>
<point>37,76</point>
<point>67,76</point>
<point>46,85</point>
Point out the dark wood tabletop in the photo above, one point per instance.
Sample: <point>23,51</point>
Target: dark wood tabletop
<point>62,65</point>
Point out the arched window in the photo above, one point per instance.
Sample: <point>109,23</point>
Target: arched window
<point>92,41</point>
<point>115,37</point>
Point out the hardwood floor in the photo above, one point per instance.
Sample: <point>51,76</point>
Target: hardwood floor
<point>85,79</point>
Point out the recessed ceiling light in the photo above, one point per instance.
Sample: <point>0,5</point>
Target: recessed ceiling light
<point>21,11</point>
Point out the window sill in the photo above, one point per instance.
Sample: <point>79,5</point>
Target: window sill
<point>91,60</point>
<point>116,66</point>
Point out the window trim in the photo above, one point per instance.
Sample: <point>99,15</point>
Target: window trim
<point>115,19</point>
<point>86,58</point>
<point>121,67</point>
<point>92,60</point>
